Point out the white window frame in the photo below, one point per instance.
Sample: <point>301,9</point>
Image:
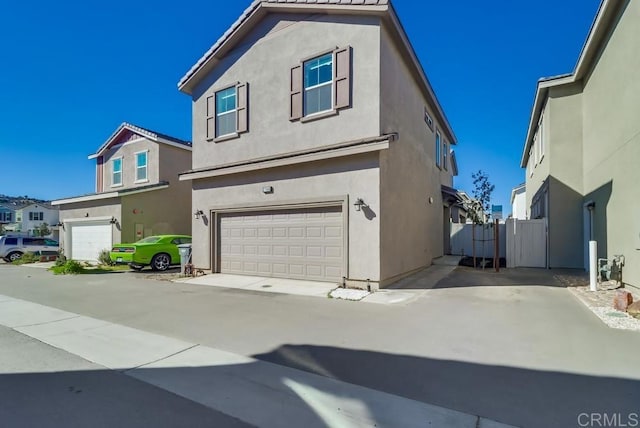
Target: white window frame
<point>146,167</point>
<point>329,83</point>
<point>445,157</point>
<point>113,172</point>
<point>541,140</point>
<point>438,149</point>
<point>530,162</point>
<point>228,112</point>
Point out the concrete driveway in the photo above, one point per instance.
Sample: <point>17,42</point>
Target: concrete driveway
<point>513,347</point>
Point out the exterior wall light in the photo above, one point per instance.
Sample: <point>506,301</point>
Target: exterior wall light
<point>359,203</point>
<point>267,190</point>
<point>197,214</point>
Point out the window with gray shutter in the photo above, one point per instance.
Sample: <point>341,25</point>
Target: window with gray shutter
<point>228,112</point>
<point>321,84</point>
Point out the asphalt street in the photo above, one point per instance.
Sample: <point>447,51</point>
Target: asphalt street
<point>522,351</point>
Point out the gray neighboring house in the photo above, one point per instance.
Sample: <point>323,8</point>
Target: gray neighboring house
<point>7,215</point>
<point>137,193</point>
<point>583,147</point>
<point>320,147</point>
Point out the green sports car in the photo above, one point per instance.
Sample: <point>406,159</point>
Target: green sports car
<point>159,252</point>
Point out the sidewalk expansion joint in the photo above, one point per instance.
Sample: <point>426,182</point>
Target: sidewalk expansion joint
<point>160,359</point>
<point>46,322</point>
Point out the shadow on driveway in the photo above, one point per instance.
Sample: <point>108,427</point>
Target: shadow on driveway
<point>470,277</point>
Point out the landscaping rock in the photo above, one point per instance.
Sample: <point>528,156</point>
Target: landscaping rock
<point>634,310</point>
<point>622,300</point>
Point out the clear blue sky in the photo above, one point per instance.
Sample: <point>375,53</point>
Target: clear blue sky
<point>71,72</point>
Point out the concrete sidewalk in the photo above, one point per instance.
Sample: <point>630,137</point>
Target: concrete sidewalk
<point>256,392</point>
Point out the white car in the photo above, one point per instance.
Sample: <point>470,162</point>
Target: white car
<point>13,247</point>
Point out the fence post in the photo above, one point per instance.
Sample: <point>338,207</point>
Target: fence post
<point>496,246</point>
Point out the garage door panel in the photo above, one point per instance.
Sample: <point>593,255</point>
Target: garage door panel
<point>304,243</point>
<point>87,240</point>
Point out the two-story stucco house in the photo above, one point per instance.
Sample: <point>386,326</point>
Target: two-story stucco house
<point>30,218</point>
<point>583,147</point>
<point>137,193</point>
<point>319,147</point>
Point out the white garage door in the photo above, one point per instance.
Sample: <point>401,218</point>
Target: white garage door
<point>87,240</point>
<point>301,244</point>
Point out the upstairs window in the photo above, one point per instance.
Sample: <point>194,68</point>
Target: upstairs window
<point>438,150</point>
<point>116,167</point>
<point>318,84</point>
<point>5,217</point>
<point>321,84</point>
<point>227,113</point>
<point>445,155</point>
<point>36,216</point>
<point>141,166</point>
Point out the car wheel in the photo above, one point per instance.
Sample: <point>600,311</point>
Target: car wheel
<point>161,262</point>
<point>16,255</point>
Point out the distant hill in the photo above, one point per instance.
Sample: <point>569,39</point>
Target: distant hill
<point>19,200</point>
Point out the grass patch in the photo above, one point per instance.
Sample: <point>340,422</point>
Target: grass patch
<point>27,258</point>
<point>69,267</point>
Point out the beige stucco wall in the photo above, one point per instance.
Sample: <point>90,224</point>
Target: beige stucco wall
<point>612,142</point>
<point>160,212</point>
<point>354,176</point>
<point>81,210</point>
<point>411,222</point>
<point>127,151</point>
<point>264,60</point>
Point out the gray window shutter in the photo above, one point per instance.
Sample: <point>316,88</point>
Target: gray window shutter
<point>342,78</point>
<point>211,117</point>
<point>295,111</point>
<point>242,114</point>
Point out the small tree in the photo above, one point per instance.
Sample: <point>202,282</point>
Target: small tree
<point>42,230</point>
<point>480,209</point>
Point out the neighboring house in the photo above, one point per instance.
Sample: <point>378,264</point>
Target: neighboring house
<point>7,215</point>
<point>30,218</point>
<point>519,202</point>
<point>583,147</point>
<point>320,147</point>
<point>137,193</point>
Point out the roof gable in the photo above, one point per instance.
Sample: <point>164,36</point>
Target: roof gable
<point>127,132</point>
<point>258,9</point>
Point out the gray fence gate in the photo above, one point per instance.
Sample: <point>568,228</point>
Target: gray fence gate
<point>526,243</point>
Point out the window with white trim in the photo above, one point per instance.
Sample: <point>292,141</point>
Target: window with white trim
<point>36,216</point>
<point>541,140</point>
<point>438,150</point>
<point>226,110</point>
<point>116,169</point>
<point>5,216</point>
<point>141,166</point>
<point>318,84</point>
<point>445,155</point>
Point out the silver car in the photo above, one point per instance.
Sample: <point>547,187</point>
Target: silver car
<point>13,247</point>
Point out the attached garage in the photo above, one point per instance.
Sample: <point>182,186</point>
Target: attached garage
<point>86,239</point>
<point>304,243</point>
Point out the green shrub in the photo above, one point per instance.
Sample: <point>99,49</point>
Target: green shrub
<point>61,260</point>
<point>27,258</point>
<point>70,267</point>
<point>104,259</point>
